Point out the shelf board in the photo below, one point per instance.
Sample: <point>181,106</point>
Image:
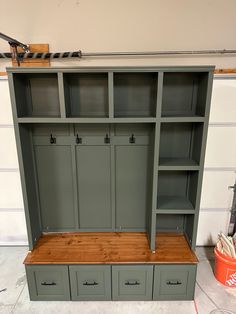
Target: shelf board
<point>178,164</point>
<point>133,120</point>
<point>84,120</point>
<point>175,211</point>
<point>165,202</point>
<point>183,119</point>
<point>110,248</point>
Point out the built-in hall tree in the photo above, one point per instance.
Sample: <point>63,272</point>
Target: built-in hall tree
<point>111,163</point>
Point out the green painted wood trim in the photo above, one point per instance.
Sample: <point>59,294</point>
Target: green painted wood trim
<point>61,95</point>
<point>175,211</point>
<point>179,168</point>
<point>152,234</point>
<point>32,233</point>
<point>202,157</point>
<point>75,179</point>
<point>182,119</point>
<point>86,120</point>
<point>200,68</point>
<point>111,94</point>
<point>113,179</point>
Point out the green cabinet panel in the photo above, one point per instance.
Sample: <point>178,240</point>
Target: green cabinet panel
<point>90,282</point>
<point>132,282</point>
<point>174,282</point>
<point>55,182</point>
<point>94,180</point>
<point>46,129</point>
<point>131,182</point>
<point>48,282</point>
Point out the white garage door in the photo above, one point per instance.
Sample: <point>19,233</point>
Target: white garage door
<point>220,162</point>
<point>12,219</point>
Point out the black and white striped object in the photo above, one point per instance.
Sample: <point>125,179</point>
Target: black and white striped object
<point>42,55</point>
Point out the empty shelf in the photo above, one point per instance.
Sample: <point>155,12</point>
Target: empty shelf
<point>173,202</point>
<point>178,163</point>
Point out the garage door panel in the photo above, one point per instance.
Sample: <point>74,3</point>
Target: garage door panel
<point>10,192</point>
<point>5,107</point>
<point>223,103</point>
<point>8,154</point>
<point>12,227</point>
<point>211,223</point>
<point>221,148</point>
<point>215,191</point>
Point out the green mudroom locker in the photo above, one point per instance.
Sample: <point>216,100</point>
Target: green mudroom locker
<point>111,163</point>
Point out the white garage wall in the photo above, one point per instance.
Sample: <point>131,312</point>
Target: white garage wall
<point>12,219</point>
<point>220,162</point>
<point>124,25</point>
<point>220,168</point>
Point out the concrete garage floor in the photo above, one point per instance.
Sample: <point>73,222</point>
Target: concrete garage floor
<point>210,296</point>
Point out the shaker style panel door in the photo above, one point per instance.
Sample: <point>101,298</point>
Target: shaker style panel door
<point>55,180</point>
<point>131,183</point>
<point>94,181</point>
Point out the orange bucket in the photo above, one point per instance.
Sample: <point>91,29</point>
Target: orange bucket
<point>225,269</point>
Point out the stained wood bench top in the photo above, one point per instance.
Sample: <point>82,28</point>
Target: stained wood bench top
<point>110,248</point>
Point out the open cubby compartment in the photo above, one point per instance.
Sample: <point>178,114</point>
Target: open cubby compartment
<point>86,94</point>
<point>135,94</point>
<point>180,144</point>
<point>184,94</point>
<point>176,223</point>
<point>37,94</point>
<point>177,190</point>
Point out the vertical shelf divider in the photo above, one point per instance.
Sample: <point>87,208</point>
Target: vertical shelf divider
<point>152,231</point>
<point>111,94</point>
<point>74,178</point>
<point>61,95</point>
<point>202,157</point>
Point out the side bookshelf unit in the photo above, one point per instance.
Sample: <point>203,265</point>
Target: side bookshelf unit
<point>111,163</point>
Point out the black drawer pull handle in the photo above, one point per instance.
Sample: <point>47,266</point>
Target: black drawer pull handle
<point>78,139</point>
<point>44,283</point>
<point>52,140</point>
<point>107,139</point>
<point>132,139</point>
<point>174,283</point>
<point>132,283</point>
<point>87,283</point>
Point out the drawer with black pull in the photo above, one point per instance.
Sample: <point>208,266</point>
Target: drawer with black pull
<point>174,282</point>
<point>90,282</point>
<point>48,282</point>
<point>132,282</point>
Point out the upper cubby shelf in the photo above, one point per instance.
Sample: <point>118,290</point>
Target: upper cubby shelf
<point>184,94</point>
<point>37,94</point>
<point>86,94</point>
<point>135,94</point>
<point>112,94</point>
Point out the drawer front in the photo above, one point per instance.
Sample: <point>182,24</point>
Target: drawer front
<point>174,282</point>
<point>132,282</point>
<point>48,282</point>
<point>90,282</point>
